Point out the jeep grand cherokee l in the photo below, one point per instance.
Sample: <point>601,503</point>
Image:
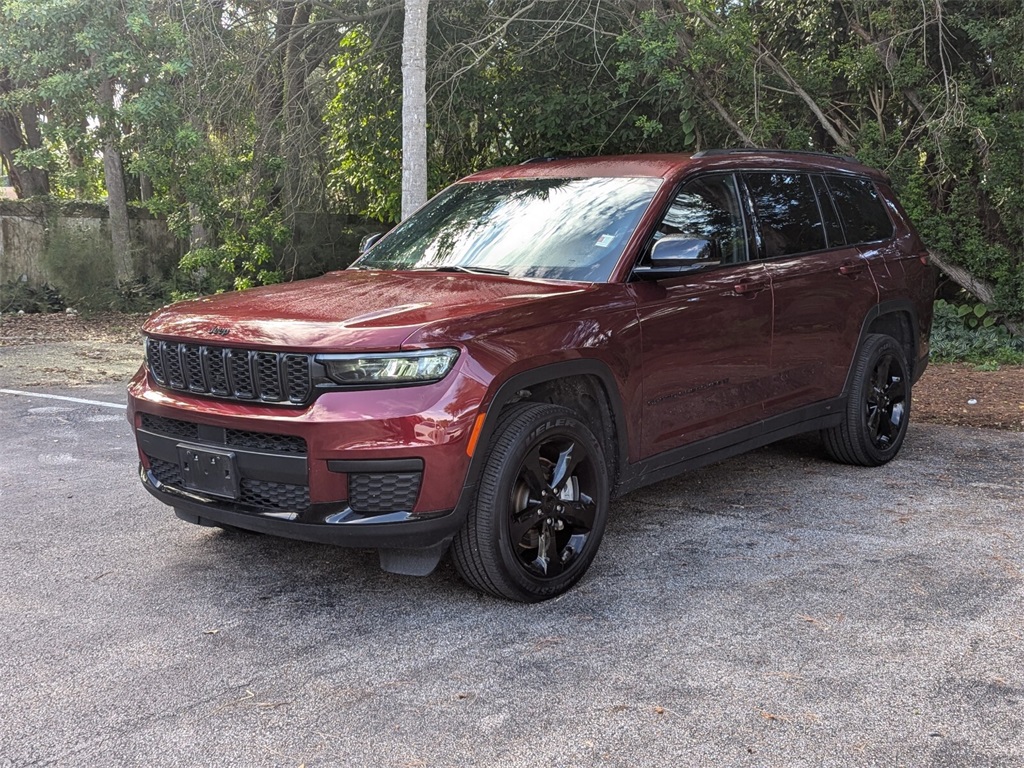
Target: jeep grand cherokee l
<point>535,341</point>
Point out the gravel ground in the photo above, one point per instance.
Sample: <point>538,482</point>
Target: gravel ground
<point>772,610</point>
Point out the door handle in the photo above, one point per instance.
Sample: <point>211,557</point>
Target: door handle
<point>851,269</point>
<point>750,286</point>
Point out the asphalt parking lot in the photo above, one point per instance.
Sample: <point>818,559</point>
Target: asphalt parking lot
<point>775,609</point>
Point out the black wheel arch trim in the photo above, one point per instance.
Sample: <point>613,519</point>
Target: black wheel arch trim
<point>889,307</point>
<point>507,391</point>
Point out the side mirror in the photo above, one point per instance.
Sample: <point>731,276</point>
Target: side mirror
<point>678,254</point>
<point>369,241</point>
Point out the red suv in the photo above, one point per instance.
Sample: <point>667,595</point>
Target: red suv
<point>535,341</point>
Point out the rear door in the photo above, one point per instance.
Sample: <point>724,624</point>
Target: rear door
<point>822,287</point>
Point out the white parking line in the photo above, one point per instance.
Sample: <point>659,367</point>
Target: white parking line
<point>122,406</point>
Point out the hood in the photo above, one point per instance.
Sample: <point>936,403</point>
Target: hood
<point>348,310</point>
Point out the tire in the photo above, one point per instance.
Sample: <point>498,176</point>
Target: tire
<point>878,407</point>
<point>540,507</point>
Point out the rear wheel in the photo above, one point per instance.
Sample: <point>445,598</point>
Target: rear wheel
<point>540,508</point>
<point>878,409</point>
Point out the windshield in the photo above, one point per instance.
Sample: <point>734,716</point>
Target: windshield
<point>565,229</point>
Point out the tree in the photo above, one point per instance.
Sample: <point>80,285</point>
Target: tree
<point>84,67</point>
<point>414,106</point>
<point>506,81</point>
<point>19,132</point>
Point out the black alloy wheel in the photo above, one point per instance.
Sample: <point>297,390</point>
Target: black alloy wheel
<point>885,408</point>
<point>550,518</point>
<point>541,506</point>
<point>877,408</point>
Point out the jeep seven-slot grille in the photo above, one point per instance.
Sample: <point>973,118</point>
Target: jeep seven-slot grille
<point>240,374</point>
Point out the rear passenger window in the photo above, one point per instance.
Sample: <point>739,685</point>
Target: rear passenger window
<point>787,213</point>
<point>864,217</point>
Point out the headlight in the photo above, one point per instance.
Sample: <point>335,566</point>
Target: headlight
<point>389,368</point>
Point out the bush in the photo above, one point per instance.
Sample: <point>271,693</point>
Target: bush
<point>23,296</point>
<point>963,334</point>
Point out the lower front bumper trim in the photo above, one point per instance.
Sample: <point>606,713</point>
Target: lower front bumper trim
<point>429,536</point>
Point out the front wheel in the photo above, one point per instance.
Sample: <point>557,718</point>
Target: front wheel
<point>540,508</point>
<point>878,408</point>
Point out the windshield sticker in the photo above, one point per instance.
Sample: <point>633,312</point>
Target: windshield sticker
<point>604,241</point>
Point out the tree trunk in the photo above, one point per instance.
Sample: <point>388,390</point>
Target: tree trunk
<point>20,130</point>
<point>294,107</point>
<point>414,106</point>
<point>117,196</point>
<point>975,286</point>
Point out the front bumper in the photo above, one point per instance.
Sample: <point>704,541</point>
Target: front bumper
<point>383,470</point>
<point>406,545</point>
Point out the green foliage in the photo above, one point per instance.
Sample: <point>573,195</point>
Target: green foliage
<point>365,139</point>
<point>227,113</point>
<point>500,90</point>
<point>964,333</point>
<point>58,52</point>
<point>23,296</point>
<point>245,258</point>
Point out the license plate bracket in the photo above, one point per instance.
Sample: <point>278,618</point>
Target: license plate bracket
<point>209,471</point>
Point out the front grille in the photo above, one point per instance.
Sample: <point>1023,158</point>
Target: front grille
<point>376,492</point>
<point>170,427</point>
<point>254,493</point>
<point>239,374</point>
<point>261,493</point>
<point>264,441</point>
<point>164,471</point>
<point>229,438</point>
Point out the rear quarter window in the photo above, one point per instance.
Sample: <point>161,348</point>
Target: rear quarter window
<point>861,210</point>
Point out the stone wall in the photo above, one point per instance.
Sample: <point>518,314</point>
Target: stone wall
<point>30,229</point>
<point>67,245</point>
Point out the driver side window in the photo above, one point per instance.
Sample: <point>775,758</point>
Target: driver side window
<point>709,208</point>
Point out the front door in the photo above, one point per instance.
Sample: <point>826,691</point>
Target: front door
<point>706,335</point>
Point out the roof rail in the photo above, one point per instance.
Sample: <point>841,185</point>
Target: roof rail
<point>544,159</point>
<point>766,151</point>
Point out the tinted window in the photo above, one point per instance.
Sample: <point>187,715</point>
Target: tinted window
<point>787,213</point>
<point>864,217</point>
<point>567,229</point>
<point>709,208</point>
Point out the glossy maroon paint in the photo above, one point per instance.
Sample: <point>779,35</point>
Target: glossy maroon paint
<point>502,326</point>
<point>689,357</point>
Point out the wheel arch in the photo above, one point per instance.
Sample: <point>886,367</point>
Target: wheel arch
<point>585,386</point>
<point>898,319</point>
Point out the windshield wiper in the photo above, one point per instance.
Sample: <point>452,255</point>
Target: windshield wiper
<point>472,270</point>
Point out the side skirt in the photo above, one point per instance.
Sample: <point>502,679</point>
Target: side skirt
<point>827,413</point>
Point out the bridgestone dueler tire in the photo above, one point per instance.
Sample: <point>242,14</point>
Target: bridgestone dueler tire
<point>486,552</point>
<point>877,409</point>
